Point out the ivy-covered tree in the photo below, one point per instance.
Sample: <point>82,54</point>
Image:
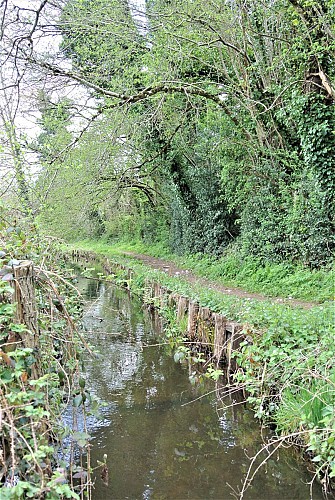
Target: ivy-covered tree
<point>227,116</point>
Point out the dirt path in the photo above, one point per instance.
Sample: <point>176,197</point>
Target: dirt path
<point>172,270</point>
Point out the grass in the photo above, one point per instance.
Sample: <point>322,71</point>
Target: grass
<point>273,280</point>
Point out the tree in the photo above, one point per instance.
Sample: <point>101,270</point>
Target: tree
<point>251,160</point>
<point>12,147</point>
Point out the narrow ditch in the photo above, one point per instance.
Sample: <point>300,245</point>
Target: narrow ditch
<point>164,437</point>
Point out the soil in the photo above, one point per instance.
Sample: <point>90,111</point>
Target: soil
<point>172,270</point>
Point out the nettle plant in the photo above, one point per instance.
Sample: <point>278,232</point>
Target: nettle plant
<point>290,377</point>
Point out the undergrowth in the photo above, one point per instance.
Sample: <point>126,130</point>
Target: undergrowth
<point>38,383</point>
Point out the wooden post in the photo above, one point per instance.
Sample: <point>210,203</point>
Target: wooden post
<point>219,337</point>
<point>24,297</point>
<point>234,339</point>
<point>182,308</point>
<point>205,329</point>
<point>129,278</point>
<point>26,312</point>
<point>193,311</point>
<point>158,294</point>
<point>172,300</point>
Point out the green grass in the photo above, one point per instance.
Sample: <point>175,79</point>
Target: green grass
<point>300,404</point>
<point>273,280</point>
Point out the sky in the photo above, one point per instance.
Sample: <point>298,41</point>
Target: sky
<point>138,10</point>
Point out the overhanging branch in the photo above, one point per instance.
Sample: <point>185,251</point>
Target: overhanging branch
<point>162,87</point>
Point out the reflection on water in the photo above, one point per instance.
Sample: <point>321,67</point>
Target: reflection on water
<point>158,445</point>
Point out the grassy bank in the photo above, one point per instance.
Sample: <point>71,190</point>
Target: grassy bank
<point>288,369</point>
<point>273,280</point>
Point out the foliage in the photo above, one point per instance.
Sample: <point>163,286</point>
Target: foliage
<point>255,275</point>
<point>291,382</point>
<point>102,46</point>
<point>242,154</point>
<point>211,132</point>
<point>36,384</point>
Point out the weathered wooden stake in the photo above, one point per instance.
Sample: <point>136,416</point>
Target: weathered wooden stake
<point>205,326</point>
<point>26,312</point>
<point>182,308</point>
<point>193,311</point>
<point>24,297</point>
<point>219,337</point>
<point>234,339</point>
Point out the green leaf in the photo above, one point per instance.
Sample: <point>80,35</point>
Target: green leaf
<point>77,401</point>
<point>81,438</point>
<point>82,382</point>
<point>6,375</point>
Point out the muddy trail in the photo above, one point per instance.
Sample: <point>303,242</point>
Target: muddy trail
<point>172,269</point>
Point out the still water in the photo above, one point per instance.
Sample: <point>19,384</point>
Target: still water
<point>162,440</point>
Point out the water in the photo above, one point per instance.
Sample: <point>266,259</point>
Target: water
<point>160,444</point>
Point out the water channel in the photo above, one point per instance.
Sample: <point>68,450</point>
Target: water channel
<point>161,440</point>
